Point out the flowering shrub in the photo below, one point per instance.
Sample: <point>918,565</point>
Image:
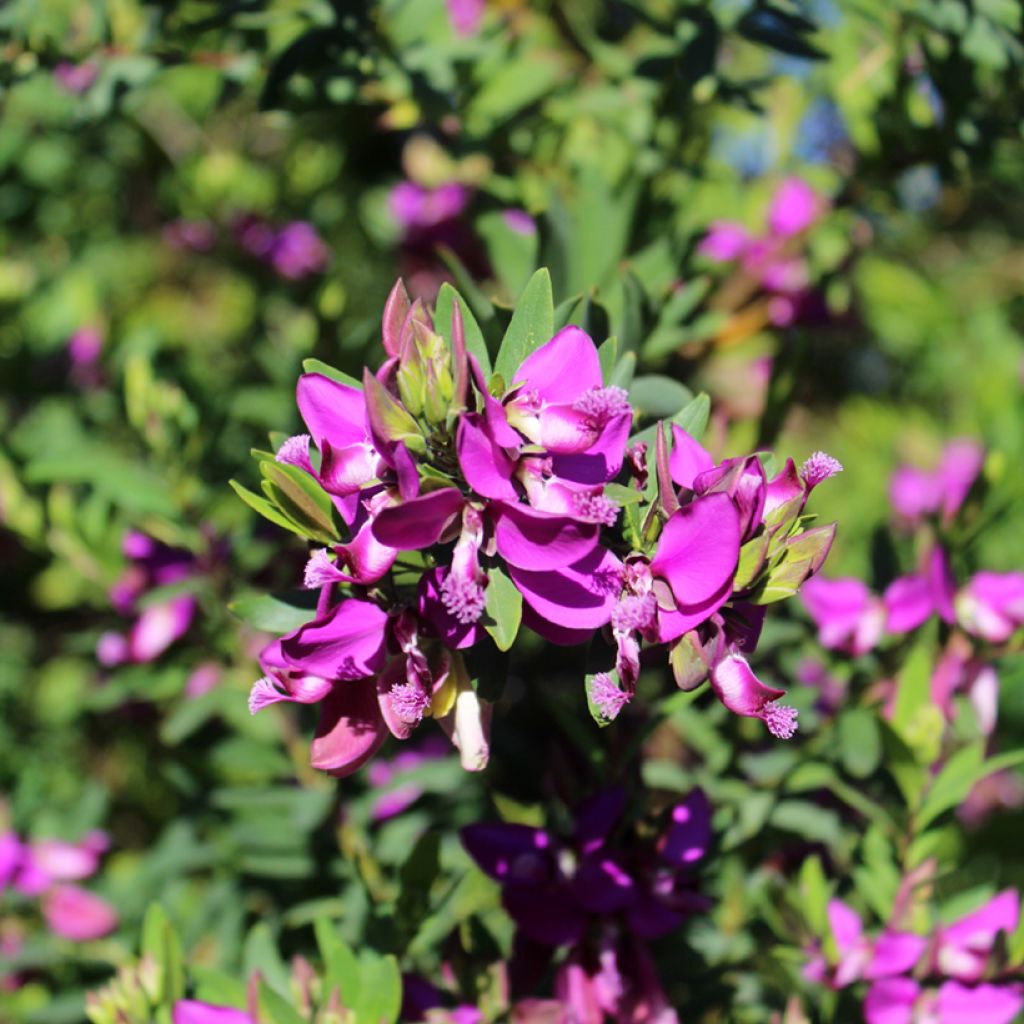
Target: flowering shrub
<point>475,500</point>
<point>768,226</point>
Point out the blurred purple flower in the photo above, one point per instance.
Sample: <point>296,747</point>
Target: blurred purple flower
<point>465,15</point>
<point>991,605</point>
<point>77,914</point>
<point>917,493</point>
<point>191,235</point>
<point>76,78</point>
<point>297,251</point>
<point>191,1011</point>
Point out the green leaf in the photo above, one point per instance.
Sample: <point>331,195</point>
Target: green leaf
<point>504,607</point>
<point>302,499</point>
<point>658,396</point>
<point>961,773</point>
<point>274,1009</point>
<point>532,325</point>
<point>914,716</point>
<point>260,954</point>
<point>607,354</point>
<point>860,742</point>
<point>814,894</point>
<point>380,990</point>
<point>447,296</point>
<point>341,966</point>
<point>694,417</point>
<point>512,254</point>
<point>160,942</point>
<point>275,613</point>
<point>416,877</point>
<point>316,366</point>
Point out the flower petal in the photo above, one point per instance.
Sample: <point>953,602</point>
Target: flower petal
<point>331,410</point>
<point>347,643</point>
<point>698,550</point>
<point>486,467</point>
<point>578,596</point>
<point>351,729</point>
<point>420,522</point>
<point>688,459</point>
<point>530,539</point>
<point>563,368</point>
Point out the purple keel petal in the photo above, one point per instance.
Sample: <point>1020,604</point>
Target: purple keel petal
<point>688,836</point>
<point>418,523</point>
<point>993,1004</point>
<point>348,643</point>
<point>486,467</point>
<point>350,730</point>
<point>698,550</point>
<point>891,1001</point>
<point>529,539</point>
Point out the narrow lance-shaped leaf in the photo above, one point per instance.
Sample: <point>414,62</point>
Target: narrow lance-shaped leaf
<point>531,326</point>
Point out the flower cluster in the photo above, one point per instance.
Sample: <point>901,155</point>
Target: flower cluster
<point>772,262</point>
<point>451,504</point>
<point>295,250</point>
<point>152,565</point>
<point>603,893</point>
<point>951,977</point>
<point>982,613</point>
<point>46,870</point>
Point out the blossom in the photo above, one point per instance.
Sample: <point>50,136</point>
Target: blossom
<point>152,565</point>
<point>76,78</point>
<point>916,493</point>
<point>848,616</point>
<point>77,914</point>
<point>991,605</point>
<point>297,250</point>
<point>192,1011</point>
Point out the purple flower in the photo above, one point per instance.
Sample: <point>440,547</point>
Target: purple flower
<point>794,208</point>
<point>152,565</point>
<point>417,208</point>
<point>917,493</point>
<point>963,948</point>
<point>848,616</point>
<point>725,242</point>
<point>553,889</point>
<point>743,693</point>
<point>78,915</point>
<point>76,78</point>
<point>297,251</point>
<point>191,1011</point>
<point>465,15</point>
<point>991,605</point>
<point>190,235</point>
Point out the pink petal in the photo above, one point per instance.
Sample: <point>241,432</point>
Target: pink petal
<point>78,915</point>
<point>688,459</point>
<point>845,924</point>
<point>698,550</point>
<point>891,1001</point>
<point>351,729</point>
<point>602,460</point>
<point>347,469</point>
<point>420,522</point>
<point>991,1004</point>
<point>895,953</point>
<point>331,410</point>
<point>563,368</point>
<point>347,643</point>
<point>739,689</point>
<point>578,596</point>
<point>529,539</point>
<point>191,1011</point>
<point>486,467</point>
<point>908,603</point>
<point>725,241</point>
<point>794,208</point>
<point>159,626</point>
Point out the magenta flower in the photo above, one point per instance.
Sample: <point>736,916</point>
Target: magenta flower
<point>958,671</point>
<point>417,208</point>
<point>191,1011</point>
<point>298,251</point>
<point>905,1001</point>
<point>190,235</point>
<point>848,616</point>
<point>552,902</point>
<point>77,914</point>
<point>912,600</point>
<point>889,954</point>
<point>465,15</point>
<point>917,493</point>
<point>76,78</point>
<point>743,693</point>
<point>963,948</point>
<point>991,605</point>
<point>794,208</point>
<point>152,564</point>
